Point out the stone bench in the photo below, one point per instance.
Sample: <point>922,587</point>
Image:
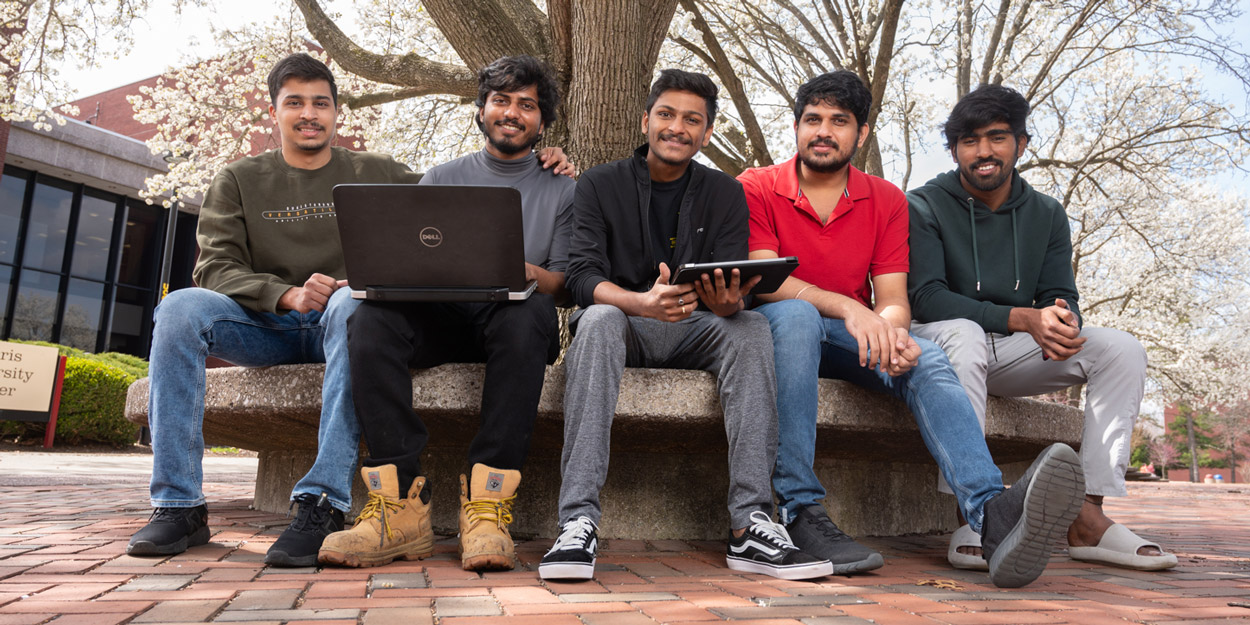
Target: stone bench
<point>668,476</point>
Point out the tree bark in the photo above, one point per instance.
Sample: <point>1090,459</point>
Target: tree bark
<point>614,47</point>
<point>484,30</point>
<point>1193,447</point>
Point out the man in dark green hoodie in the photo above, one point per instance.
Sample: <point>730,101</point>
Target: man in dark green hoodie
<point>991,282</point>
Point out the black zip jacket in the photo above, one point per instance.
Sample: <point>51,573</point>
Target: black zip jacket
<point>611,226</point>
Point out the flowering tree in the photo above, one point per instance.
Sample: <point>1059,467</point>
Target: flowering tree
<point>1163,453</point>
<point>38,37</point>
<point>1125,133</point>
<point>1231,430</point>
<point>1129,138</point>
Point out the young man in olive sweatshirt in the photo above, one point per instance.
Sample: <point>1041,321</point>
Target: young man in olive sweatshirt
<point>991,282</point>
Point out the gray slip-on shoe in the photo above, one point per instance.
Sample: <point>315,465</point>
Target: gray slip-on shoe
<point>1022,524</point>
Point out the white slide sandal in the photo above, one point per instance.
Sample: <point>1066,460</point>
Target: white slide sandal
<point>965,536</point>
<point>1119,546</point>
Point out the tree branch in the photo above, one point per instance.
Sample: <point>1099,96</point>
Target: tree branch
<point>484,30</point>
<point>408,70</point>
<point>737,92</point>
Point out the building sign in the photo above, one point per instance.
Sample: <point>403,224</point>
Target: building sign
<point>28,375</point>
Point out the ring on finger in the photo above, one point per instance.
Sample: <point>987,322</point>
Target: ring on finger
<point>680,301</point>
<point>683,310</point>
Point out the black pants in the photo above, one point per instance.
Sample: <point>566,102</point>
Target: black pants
<point>515,340</point>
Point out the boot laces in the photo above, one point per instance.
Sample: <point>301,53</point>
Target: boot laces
<point>574,533</point>
<point>497,510</point>
<point>380,506</point>
<point>774,532</point>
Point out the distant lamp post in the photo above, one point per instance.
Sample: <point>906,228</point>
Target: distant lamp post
<point>167,259</point>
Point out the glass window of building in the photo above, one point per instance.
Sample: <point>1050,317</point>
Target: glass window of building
<point>141,244</point>
<point>80,265</point>
<point>6,278</point>
<point>35,307</point>
<point>80,323</point>
<point>132,320</point>
<point>93,237</point>
<point>47,226</point>
<point>12,195</point>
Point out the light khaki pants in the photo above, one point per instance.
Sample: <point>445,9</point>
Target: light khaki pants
<point>1112,364</point>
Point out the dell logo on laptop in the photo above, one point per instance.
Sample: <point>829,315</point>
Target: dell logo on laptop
<point>431,236</point>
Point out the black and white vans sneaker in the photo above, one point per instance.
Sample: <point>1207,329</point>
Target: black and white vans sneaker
<point>765,547</point>
<point>573,555</point>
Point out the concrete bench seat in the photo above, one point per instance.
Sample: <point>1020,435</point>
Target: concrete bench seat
<point>668,476</point>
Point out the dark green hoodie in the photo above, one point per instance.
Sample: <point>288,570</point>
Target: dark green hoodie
<point>973,263</point>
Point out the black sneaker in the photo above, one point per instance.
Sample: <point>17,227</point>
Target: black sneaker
<point>301,540</point>
<point>573,555</point>
<point>1022,523</point>
<point>814,532</point>
<point>766,548</point>
<point>170,531</point>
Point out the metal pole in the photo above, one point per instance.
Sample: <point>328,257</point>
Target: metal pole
<point>167,258</point>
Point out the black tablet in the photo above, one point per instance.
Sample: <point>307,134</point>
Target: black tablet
<point>773,270</point>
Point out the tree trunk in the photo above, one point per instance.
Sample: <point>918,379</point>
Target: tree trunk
<point>1193,447</point>
<point>614,46</point>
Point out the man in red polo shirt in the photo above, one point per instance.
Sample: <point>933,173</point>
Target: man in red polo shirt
<point>844,314</point>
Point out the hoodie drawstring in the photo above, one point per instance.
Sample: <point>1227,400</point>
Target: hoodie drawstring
<point>972,225</point>
<point>1015,249</point>
<point>976,256</point>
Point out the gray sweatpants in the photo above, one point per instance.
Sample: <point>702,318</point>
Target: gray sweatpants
<point>1112,363</point>
<point>738,349</point>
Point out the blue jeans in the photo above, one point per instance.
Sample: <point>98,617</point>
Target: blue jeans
<point>818,347</point>
<point>192,324</point>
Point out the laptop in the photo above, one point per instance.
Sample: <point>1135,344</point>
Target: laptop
<point>432,243</point>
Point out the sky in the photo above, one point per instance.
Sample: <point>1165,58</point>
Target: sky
<point>166,38</point>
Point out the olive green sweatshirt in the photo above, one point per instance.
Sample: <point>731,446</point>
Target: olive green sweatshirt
<point>266,226</point>
<point>968,262</point>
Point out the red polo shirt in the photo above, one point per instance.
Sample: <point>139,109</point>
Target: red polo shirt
<point>866,234</point>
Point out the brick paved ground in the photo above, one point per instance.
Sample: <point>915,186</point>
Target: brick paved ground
<point>62,561</point>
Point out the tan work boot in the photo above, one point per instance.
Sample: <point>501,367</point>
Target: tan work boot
<point>485,542</point>
<point>388,527</point>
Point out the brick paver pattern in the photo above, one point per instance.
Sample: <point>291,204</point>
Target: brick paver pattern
<point>62,561</point>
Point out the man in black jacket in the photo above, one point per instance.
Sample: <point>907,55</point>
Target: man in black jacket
<point>634,219</point>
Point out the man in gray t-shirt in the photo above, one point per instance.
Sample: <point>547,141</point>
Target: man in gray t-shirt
<point>546,201</point>
<point>517,99</point>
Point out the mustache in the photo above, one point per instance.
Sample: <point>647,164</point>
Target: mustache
<point>987,161</point>
<point>313,125</point>
<point>829,143</point>
<point>669,136</point>
<point>512,121</point>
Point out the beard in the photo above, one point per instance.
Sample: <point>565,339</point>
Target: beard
<point>513,145</point>
<point>829,164</point>
<point>982,183</point>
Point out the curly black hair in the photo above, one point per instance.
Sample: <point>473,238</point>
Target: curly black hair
<point>513,73</point>
<point>986,105</point>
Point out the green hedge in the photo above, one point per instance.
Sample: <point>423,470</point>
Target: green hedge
<point>93,400</point>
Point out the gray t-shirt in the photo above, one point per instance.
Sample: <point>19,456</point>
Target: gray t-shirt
<point>546,200</point>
